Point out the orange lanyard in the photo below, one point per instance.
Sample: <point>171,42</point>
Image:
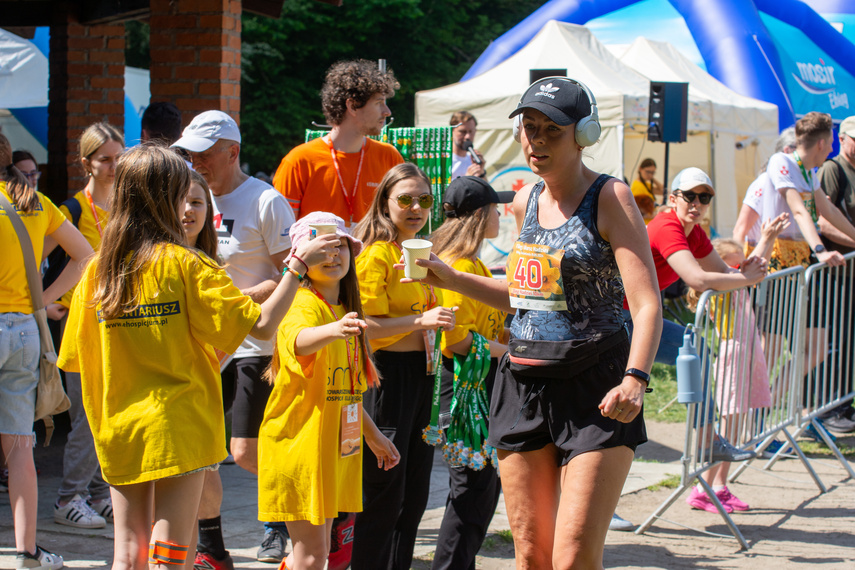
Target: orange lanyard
<point>94,212</point>
<point>348,198</point>
<point>352,362</point>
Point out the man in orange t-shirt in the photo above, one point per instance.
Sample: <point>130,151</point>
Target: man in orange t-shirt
<point>340,172</point>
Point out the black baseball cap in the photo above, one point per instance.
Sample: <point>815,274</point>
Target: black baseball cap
<point>468,193</point>
<point>562,100</point>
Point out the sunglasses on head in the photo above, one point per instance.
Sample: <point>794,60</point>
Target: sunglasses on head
<point>689,196</point>
<point>406,201</point>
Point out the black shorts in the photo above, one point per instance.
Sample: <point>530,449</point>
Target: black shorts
<point>527,414</point>
<point>246,394</point>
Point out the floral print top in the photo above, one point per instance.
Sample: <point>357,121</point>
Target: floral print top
<point>592,284</point>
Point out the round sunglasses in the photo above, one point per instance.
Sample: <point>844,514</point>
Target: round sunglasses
<point>406,201</point>
<point>704,197</point>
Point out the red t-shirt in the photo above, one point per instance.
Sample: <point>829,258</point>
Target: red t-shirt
<point>667,237</point>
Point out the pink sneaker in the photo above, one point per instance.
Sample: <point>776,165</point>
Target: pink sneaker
<point>699,500</point>
<point>728,499</point>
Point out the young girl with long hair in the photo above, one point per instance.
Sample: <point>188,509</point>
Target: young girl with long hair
<point>471,216</point>
<point>310,464</point>
<point>19,338</point>
<point>740,371</point>
<point>83,497</point>
<point>399,317</point>
<point>198,217</point>
<point>141,332</point>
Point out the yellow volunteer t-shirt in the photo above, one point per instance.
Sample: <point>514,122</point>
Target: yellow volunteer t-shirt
<point>150,379</point>
<point>381,290</point>
<point>88,226</point>
<point>43,220</point>
<point>471,316</point>
<point>301,474</point>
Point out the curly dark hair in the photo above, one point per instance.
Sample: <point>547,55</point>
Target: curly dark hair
<point>358,80</point>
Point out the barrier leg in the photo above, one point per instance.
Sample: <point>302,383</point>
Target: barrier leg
<point>833,447</point>
<point>662,508</point>
<point>727,520</point>
<point>803,457</point>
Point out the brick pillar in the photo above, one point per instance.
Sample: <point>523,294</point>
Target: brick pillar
<point>195,55</point>
<point>87,85</point>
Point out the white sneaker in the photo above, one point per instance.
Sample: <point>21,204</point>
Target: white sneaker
<point>43,560</point>
<point>618,523</point>
<point>78,513</point>
<point>104,508</point>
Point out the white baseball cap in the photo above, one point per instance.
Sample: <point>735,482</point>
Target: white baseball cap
<point>690,178</point>
<point>847,126</point>
<point>206,129</point>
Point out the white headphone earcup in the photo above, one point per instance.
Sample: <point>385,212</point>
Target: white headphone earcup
<point>517,127</point>
<point>588,130</point>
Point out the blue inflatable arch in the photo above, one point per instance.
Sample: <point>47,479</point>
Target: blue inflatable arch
<point>734,43</point>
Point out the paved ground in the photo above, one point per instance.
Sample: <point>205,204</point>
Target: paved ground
<point>791,525</point>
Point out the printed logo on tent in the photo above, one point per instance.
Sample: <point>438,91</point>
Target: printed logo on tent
<point>813,74</point>
<point>547,91</point>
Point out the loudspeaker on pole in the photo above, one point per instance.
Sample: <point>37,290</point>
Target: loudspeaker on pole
<point>668,112</point>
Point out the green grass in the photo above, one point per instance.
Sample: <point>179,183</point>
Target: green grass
<point>664,384</point>
<point>497,540</point>
<point>816,449</point>
<point>672,482</point>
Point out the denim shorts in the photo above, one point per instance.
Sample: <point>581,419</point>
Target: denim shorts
<point>19,372</point>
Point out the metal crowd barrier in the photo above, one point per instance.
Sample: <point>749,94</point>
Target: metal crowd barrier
<point>752,344</point>
<point>828,348</point>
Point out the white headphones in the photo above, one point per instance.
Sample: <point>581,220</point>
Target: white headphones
<point>587,128</point>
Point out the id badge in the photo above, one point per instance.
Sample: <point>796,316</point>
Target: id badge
<point>430,342</point>
<point>351,429</point>
<point>534,277</point>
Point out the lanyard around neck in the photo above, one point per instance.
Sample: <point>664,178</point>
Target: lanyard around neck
<point>808,177</point>
<point>352,361</point>
<point>88,195</point>
<point>348,198</point>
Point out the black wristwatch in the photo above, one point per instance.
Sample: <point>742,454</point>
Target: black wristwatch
<point>819,249</point>
<point>641,375</point>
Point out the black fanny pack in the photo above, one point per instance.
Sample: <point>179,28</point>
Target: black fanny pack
<point>558,358</point>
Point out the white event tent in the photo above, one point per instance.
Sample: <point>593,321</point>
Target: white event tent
<point>718,118</point>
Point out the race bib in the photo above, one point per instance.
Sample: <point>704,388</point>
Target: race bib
<point>351,429</point>
<point>534,277</point>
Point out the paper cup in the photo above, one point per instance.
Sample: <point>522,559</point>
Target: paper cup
<point>415,249</point>
<point>316,230</point>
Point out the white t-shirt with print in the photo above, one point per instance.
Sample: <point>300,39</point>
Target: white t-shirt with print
<point>252,224</point>
<point>784,172</point>
<point>763,199</point>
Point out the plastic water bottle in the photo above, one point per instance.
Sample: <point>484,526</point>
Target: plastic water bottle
<point>689,382</point>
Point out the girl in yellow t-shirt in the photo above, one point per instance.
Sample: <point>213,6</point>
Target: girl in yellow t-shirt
<point>469,204</point>
<point>141,332</point>
<point>19,344</point>
<point>83,497</point>
<point>310,441</point>
<point>399,317</point>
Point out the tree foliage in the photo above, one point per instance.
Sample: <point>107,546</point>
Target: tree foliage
<point>427,43</point>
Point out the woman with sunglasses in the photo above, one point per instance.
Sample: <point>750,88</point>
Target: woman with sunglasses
<point>681,250</point>
<point>402,319</point>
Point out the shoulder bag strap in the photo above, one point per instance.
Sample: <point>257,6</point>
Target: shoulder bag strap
<point>27,249</point>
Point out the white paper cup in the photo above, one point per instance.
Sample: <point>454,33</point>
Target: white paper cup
<point>415,249</point>
<point>316,230</point>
